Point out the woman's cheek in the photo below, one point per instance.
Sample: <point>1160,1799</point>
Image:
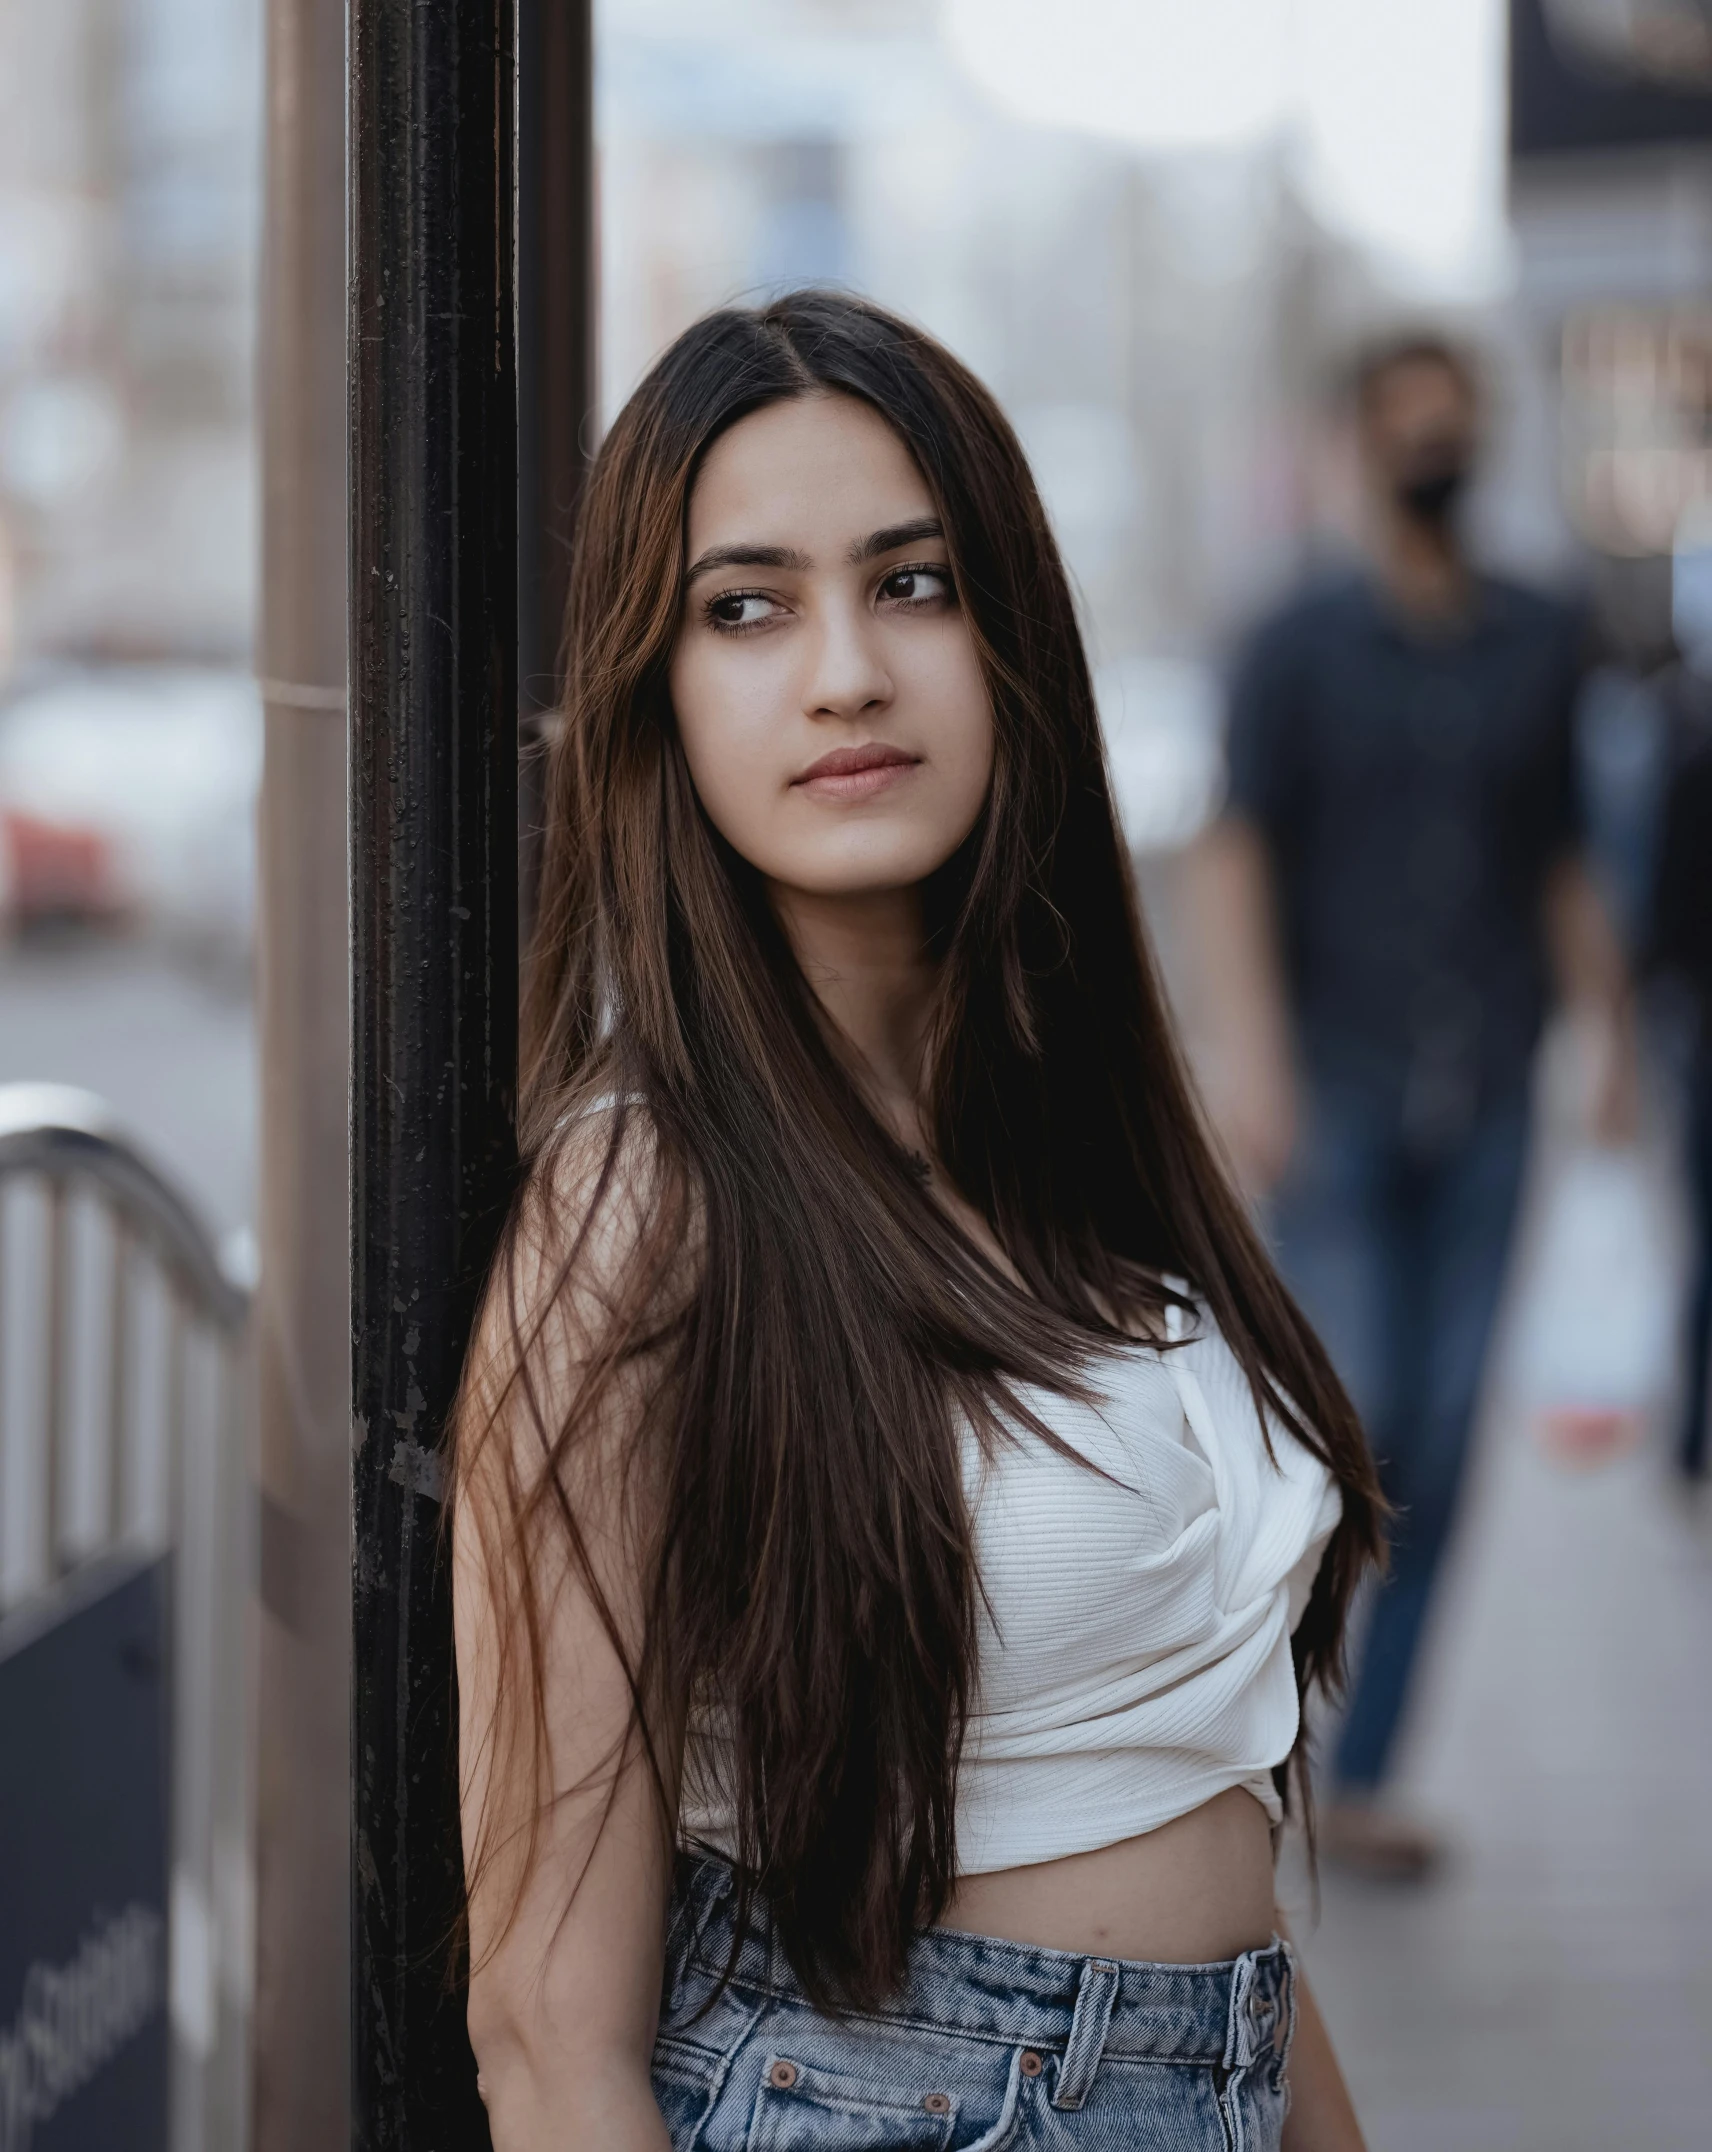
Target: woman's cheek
<point>940,674</point>
<point>732,752</point>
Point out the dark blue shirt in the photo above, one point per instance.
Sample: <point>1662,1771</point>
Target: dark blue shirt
<point>1414,790</point>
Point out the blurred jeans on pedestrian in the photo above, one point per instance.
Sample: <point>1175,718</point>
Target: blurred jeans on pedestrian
<point>1692,1435</point>
<point>1397,1254</point>
<point>1679,957</point>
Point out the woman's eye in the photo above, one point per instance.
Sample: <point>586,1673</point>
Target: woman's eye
<point>917,586</point>
<point>739,609</point>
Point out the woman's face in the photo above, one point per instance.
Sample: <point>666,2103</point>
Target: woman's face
<point>827,693</point>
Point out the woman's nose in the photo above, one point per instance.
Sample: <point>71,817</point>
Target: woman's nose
<point>848,673</point>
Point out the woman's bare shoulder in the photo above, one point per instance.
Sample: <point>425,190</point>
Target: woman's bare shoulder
<point>596,1178</point>
<point>593,1269</point>
<point>603,1229</point>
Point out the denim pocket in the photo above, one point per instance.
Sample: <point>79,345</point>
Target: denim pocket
<point>803,2108</point>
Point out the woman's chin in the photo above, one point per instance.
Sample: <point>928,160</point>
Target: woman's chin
<point>864,885</point>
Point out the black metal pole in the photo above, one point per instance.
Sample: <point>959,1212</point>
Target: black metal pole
<point>434,960</point>
<point>556,415</point>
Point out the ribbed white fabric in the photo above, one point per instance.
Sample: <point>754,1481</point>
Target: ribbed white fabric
<point>1135,1645</point>
<point>1135,1661</point>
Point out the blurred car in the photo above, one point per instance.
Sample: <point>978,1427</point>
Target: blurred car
<point>128,795</point>
<point>51,872</point>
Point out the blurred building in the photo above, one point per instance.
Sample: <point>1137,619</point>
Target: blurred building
<point>1611,202</point>
<point>1154,324</point>
<point>129,147</point>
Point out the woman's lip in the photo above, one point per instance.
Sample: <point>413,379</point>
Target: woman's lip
<point>856,772</point>
<point>856,784</point>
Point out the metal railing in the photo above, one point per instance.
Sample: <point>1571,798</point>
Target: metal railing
<point>124,1431</point>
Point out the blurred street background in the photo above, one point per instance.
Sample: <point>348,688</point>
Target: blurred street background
<point>1155,230</point>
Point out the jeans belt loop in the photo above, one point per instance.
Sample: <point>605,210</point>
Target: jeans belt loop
<point>1095,1995</point>
<point>1239,2034</point>
<point>1257,2004</point>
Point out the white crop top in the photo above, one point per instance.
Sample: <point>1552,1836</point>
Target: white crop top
<point>1134,1656</point>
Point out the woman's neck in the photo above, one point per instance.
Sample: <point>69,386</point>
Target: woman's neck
<point>866,958</point>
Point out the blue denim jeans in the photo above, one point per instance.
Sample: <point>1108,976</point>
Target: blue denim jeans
<point>987,2045</point>
<point>1398,1259</point>
<point>1691,1439</point>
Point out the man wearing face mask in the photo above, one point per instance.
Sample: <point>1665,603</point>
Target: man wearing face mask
<point>1390,897</point>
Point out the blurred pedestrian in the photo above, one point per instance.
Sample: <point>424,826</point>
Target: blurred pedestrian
<point>1397,866</point>
<point>1680,946</point>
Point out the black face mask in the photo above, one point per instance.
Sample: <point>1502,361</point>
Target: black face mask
<point>1430,495</point>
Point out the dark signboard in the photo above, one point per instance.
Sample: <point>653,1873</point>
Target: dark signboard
<point>1567,98</point>
<point>85,1747</point>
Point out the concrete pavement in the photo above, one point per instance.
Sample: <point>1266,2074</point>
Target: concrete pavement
<point>1553,1991</point>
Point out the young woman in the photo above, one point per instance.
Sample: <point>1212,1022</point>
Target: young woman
<point>898,1511</point>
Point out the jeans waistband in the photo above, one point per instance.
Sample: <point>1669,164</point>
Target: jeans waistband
<point>1224,2015</point>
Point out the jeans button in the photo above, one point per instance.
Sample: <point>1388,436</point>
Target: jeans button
<point>782,2076</point>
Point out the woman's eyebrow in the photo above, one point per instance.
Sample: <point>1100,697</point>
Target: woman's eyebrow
<point>745,555</point>
<point>749,556</point>
<point>893,536</point>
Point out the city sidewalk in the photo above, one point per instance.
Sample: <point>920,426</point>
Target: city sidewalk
<point>1553,1992</point>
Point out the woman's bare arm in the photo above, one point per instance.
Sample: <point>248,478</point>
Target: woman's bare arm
<point>1322,2114</point>
<point>566,1946</point>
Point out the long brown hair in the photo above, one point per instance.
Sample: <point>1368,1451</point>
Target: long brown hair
<point>813,1331</point>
